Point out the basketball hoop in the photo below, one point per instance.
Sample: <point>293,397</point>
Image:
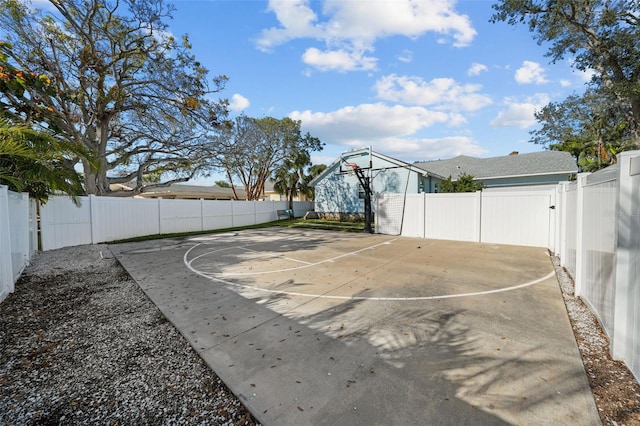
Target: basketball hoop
<point>352,167</point>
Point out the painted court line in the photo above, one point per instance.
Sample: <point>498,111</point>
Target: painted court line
<point>306,264</point>
<point>188,264</point>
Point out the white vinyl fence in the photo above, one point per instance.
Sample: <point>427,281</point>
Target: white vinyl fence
<point>592,224</point>
<point>504,217</point>
<point>17,237</point>
<point>101,219</point>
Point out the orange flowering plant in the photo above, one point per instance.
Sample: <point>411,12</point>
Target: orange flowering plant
<point>22,84</point>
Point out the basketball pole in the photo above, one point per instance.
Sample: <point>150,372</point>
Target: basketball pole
<point>365,182</point>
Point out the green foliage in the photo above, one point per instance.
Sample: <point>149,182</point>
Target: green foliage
<point>109,76</point>
<point>18,83</point>
<point>37,162</point>
<point>464,183</point>
<point>253,150</point>
<point>223,184</point>
<point>602,36</point>
<point>592,127</point>
<point>294,174</point>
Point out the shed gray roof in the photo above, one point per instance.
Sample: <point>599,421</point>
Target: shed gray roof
<point>535,163</point>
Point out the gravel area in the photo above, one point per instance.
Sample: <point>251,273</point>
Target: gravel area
<point>80,343</point>
<point>615,390</point>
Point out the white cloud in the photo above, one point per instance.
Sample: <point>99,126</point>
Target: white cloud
<point>405,56</point>
<point>585,76</point>
<point>520,114</point>
<point>338,60</point>
<point>443,93</point>
<point>476,69</point>
<point>354,26</point>
<point>389,129</point>
<point>360,20</point>
<point>423,149</point>
<point>565,83</point>
<point>530,72</point>
<point>297,20</point>
<point>238,103</point>
<point>358,124</point>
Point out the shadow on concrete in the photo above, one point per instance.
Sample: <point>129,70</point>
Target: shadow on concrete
<point>436,365</point>
<point>296,361</point>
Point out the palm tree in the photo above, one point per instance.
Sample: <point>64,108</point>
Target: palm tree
<point>289,177</point>
<point>37,162</point>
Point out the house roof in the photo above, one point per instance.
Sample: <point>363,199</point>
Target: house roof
<point>193,191</point>
<point>359,152</point>
<point>535,163</point>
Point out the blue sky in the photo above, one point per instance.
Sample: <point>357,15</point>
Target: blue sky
<point>416,80</point>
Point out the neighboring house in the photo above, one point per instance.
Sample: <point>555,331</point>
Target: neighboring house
<point>270,194</point>
<point>536,168</point>
<point>338,193</point>
<point>187,192</point>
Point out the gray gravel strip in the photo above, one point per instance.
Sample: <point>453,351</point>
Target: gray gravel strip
<point>80,343</point>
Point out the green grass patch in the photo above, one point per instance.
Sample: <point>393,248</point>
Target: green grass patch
<point>330,225</point>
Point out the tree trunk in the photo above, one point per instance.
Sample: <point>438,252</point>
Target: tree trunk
<point>291,202</point>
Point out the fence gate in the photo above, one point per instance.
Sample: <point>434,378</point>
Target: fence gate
<point>521,218</point>
<point>518,217</point>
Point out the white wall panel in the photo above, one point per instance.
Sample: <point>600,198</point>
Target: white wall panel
<point>265,211</point>
<point>6,269</point>
<point>518,218</point>
<point>570,229</point>
<point>115,218</point>
<point>217,214</point>
<point>15,238</point>
<point>453,216</point>
<point>180,216</point>
<point>64,224</point>
<point>413,224</point>
<point>103,219</point>
<point>244,213</point>
<point>19,230</point>
<point>626,334</point>
<point>598,249</point>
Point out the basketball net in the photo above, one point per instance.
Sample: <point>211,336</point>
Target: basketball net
<point>352,168</point>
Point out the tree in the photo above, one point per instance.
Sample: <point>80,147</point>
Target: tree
<point>591,127</point>
<point>464,183</point>
<point>599,35</point>
<point>290,176</point>
<point>120,85</point>
<point>36,162</point>
<point>222,184</point>
<point>253,149</point>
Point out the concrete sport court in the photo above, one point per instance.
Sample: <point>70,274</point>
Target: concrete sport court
<point>325,328</point>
